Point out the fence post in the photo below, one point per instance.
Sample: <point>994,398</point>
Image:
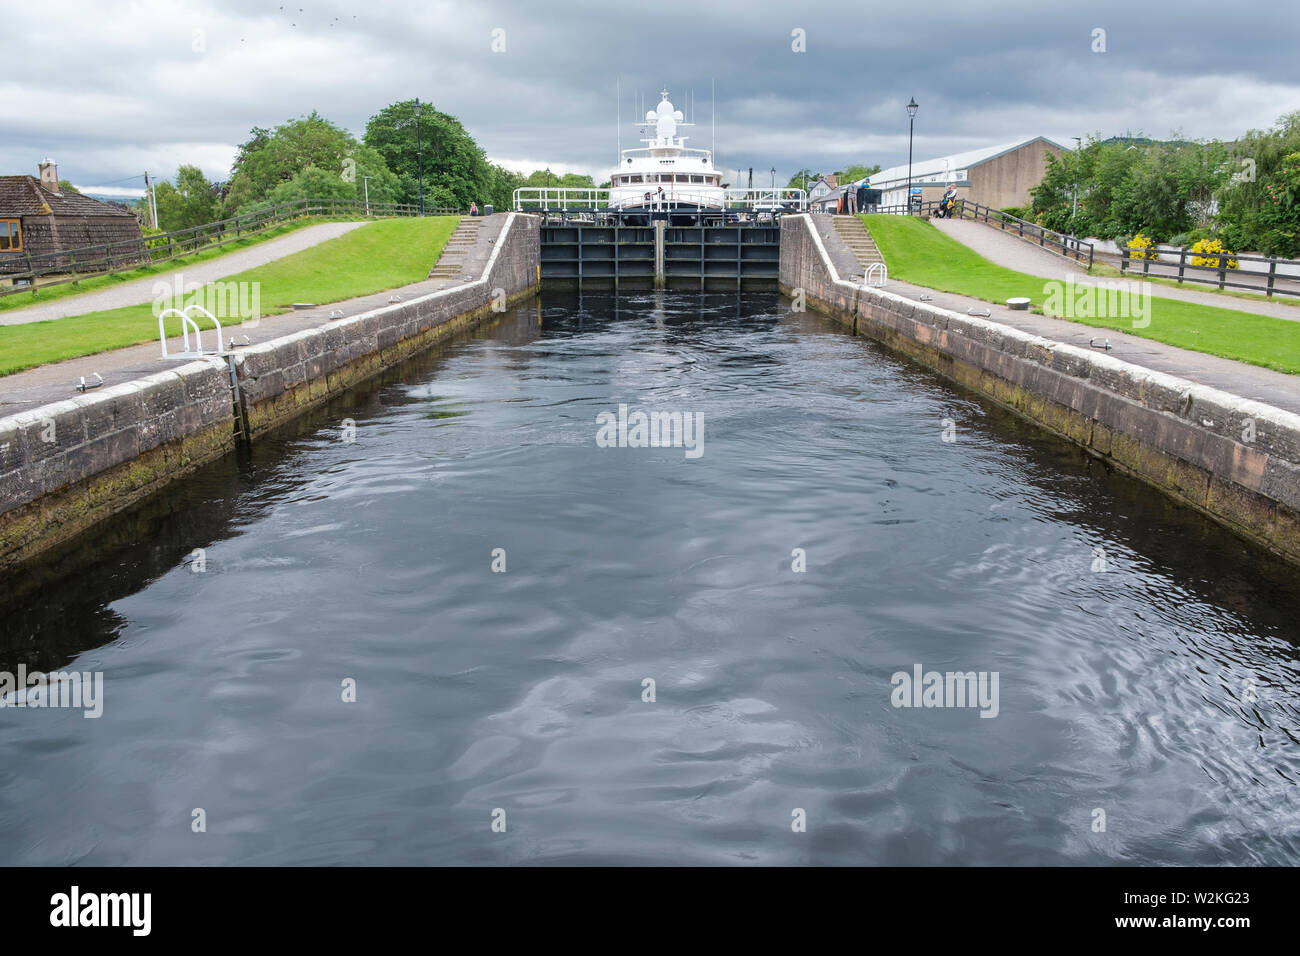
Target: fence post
<point>1223,265</point>
<point>1091,250</point>
<point>1123,260</point>
<point>1272,272</point>
<point>1182,262</point>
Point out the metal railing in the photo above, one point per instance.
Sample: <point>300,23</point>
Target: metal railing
<point>1060,243</point>
<point>1214,269</point>
<point>563,198</point>
<point>85,262</point>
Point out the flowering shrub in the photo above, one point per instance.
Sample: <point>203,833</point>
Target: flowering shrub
<point>1211,246</point>
<point>1142,247</point>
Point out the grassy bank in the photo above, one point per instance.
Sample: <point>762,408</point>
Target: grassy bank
<point>99,283</point>
<point>378,256</point>
<point>916,252</point>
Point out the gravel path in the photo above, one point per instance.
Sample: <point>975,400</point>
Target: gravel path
<point>141,290</point>
<point>1013,252</point>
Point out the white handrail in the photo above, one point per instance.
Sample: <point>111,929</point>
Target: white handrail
<point>220,347</point>
<point>186,323</point>
<point>566,197</point>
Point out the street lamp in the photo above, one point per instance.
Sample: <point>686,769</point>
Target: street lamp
<point>912,107</point>
<point>773,177</point>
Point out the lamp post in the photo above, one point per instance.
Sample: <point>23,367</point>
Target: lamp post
<point>912,107</point>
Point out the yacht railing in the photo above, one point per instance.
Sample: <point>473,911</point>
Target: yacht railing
<point>572,199</point>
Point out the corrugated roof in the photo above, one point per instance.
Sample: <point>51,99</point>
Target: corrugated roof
<point>954,163</point>
<point>25,196</point>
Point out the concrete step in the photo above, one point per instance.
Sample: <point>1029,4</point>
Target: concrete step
<point>858,239</point>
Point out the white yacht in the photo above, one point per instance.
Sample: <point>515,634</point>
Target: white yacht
<point>664,176</point>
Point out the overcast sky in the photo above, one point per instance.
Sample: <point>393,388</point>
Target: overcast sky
<point>110,89</point>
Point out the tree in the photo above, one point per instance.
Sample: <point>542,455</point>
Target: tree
<point>302,155</point>
<point>856,173</point>
<point>192,201</point>
<point>501,192</point>
<point>1254,209</point>
<point>455,170</point>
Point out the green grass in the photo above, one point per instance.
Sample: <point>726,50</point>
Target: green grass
<point>916,252</point>
<point>378,256</point>
<point>82,287</point>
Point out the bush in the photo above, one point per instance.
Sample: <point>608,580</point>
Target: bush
<point>1142,247</point>
<point>1191,237</point>
<point>1020,212</point>
<point>1211,246</point>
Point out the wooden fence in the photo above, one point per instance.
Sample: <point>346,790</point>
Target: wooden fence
<point>1214,269</point>
<point>72,265</point>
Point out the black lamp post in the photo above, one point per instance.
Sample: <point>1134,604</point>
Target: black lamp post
<point>773,177</point>
<point>912,107</point>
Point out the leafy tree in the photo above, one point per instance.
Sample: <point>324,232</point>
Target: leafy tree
<point>307,154</point>
<point>455,170</point>
<point>501,192</point>
<point>192,201</point>
<point>1257,203</point>
<point>856,173</point>
<point>65,186</point>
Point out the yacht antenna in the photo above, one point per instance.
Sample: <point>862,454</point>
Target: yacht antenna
<point>618,119</point>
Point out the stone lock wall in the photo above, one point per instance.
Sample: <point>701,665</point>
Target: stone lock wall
<point>1182,438</point>
<point>66,466</point>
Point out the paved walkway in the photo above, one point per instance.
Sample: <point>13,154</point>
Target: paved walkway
<point>56,381</point>
<point>1237,378</point>
<point>141,290</point>
<point>1012,252</point>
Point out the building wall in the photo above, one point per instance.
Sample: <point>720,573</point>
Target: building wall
<point>1006,180</point>
<point>46,235</point>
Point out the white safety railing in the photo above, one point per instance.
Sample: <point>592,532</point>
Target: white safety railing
<point>188,323</point>
<point>777,199</point>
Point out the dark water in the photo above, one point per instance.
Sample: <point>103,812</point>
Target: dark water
<point>1162,692</point>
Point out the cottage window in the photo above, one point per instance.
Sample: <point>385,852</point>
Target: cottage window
<point>11,235</point>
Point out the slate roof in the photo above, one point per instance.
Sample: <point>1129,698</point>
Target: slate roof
<point>25,196</point>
